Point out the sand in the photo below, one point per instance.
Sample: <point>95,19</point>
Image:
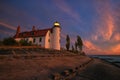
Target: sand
<point>99,70</point>
<point>42,68</point>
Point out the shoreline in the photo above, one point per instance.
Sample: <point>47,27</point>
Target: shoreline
<point>99,70</point>
<point>107,60</point>
<point>112,63</point>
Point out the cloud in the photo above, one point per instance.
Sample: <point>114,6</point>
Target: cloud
<point>18,16</point>
<point>110,23</point>
<point>90,48</point>
<point>89,45</point>
<point>106,38</point>
<point>62,5</point>
<point>105,22</point>
<point>116,37</point>
<point>7,26</point>
<point>116,49</point>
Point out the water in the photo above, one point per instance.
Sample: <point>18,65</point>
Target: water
<point>115,59</point>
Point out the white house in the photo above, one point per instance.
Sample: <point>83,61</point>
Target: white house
<point>47,38</point>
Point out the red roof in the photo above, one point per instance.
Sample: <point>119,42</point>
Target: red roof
<point>35,33</point>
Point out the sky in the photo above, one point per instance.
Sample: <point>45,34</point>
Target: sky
<point>95,21</point>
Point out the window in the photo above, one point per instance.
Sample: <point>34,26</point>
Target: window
<point>48,40</point>
<point>32,33</point>
<point>34,40</point>
<point>52,31</point>
<point>40,39</point>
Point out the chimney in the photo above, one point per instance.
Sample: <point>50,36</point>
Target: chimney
<point>18,30</point>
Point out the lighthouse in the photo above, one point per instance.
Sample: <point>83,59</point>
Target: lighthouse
<point>56,36</point>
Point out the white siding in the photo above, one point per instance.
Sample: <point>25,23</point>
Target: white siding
<point>37,41</point>
<point>17,39</point>
<point>30,39</point>
<point>56,38</point>
<point>47,38</point>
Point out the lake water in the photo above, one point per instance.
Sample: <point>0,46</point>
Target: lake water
<point>110,58</point>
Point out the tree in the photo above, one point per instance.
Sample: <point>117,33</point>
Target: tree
<point>79,43</point>
<point>9,41</point>
<point>67,42</point>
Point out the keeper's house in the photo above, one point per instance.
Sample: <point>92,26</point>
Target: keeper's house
<point>47,38</point>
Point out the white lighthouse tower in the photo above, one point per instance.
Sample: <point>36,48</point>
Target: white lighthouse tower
<point>56,36</point>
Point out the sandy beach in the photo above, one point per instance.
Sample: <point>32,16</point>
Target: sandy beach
<point>45,66</point>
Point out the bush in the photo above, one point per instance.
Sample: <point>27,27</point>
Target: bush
<point>25,43</point>
<point>1,43</point>
<point>9,41</point>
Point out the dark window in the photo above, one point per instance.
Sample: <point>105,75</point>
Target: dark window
<point>40,39</point>
<point>48,40</point>
<point>34,40</point>
<point>52,31</point>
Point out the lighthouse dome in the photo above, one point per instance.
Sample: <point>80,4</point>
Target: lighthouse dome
<point>56,24</point>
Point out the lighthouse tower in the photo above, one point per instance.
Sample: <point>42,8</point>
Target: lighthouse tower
<point>56,36</point>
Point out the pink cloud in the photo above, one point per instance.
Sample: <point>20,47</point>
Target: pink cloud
<point>105,23</point>
<point>106,31</point>
<point>62,5</point>
<point>89,45</point>
<point>8,26</point>
<point>116,37</point>
<point>116,49</point>
<point>90,48</point>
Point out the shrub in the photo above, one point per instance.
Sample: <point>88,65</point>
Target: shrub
<point>25,43</point>
<point>9,41</point>
<point>1,43</point>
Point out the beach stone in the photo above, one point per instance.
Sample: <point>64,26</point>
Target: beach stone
<point>56,76</point>
<point>66,72</point>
